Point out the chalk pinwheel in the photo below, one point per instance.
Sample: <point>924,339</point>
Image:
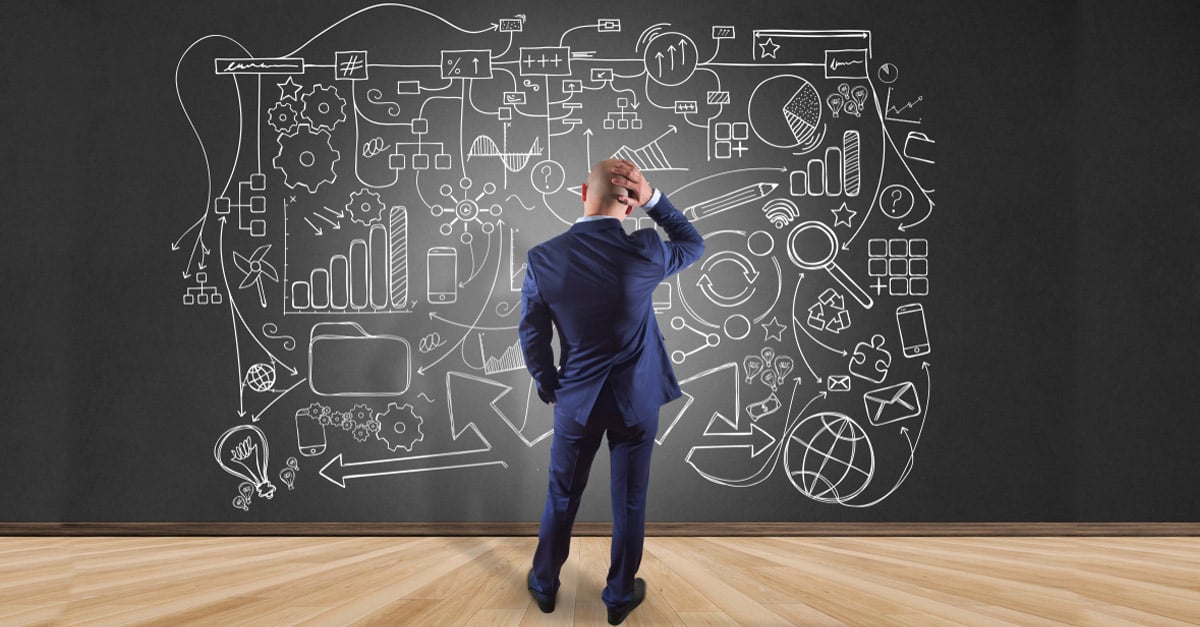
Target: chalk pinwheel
<point>254,269</point>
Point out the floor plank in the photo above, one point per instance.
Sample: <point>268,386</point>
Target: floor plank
<point>480,581</point>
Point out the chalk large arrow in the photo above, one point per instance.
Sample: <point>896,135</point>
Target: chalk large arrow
<point>526,414</point>
<point>338,471</point>
<point>458,447</point>
<point>755,441</point>
<point>749,461</point>
<point>714,384</point>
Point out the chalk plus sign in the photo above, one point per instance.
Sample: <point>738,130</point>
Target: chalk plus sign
<point>879,286</point>
<point>529,62</point>
<point>543,60</point>
<point>740,148</point>
<point>556,60</point>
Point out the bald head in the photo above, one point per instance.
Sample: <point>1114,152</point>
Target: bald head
<point>602,195</point>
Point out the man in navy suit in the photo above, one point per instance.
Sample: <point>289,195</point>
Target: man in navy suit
<point>594,283</point>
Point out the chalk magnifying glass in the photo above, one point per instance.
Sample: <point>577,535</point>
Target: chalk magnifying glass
<point>814,246</point>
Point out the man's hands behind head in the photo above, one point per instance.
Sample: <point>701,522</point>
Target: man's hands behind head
<point>628,176</point>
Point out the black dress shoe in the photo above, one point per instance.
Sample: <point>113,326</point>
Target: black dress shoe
<point>620,613</point>
<point>545,605</point>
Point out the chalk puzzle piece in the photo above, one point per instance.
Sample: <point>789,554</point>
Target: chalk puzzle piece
<point>871,361</point>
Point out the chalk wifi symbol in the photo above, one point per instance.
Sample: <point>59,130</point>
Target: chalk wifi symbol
<point>781,212</point>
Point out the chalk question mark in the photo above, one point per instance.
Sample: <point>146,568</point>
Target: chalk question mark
<point>546,171</point>
<point>897,196</point>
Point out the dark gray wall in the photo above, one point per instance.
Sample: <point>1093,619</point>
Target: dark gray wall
<point>1061,281</point>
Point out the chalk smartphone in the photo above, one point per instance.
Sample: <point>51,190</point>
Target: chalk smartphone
<point>310,434</point>
<point>914,336</point>
<point>442,266</point>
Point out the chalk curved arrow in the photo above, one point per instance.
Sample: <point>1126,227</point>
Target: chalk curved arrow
<point>734,257</point>
<point>912,446</point>
<point>740,463</point>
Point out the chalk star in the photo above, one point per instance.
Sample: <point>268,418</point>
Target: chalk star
<point>773,329</point>
<point>769,48</point>
<point>843,215</point>
<point>288,89</point>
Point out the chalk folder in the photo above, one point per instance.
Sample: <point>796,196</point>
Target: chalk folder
<point>345,360</point>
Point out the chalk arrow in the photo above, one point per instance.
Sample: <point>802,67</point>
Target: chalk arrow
<point>684,433</point>
<point>757,441</point>
<point>338,471</point>
<point>459,447</point>
<point>587,134</point>
<point>754,457</point>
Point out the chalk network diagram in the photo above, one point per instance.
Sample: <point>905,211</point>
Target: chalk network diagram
<point>372,197</point>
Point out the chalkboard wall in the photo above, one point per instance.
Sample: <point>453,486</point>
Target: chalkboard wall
<point>263,259</point>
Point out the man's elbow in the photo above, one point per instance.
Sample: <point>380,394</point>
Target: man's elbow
<point>696,251</point>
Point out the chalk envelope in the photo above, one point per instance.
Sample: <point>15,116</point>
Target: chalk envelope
<point>839,383</point>
<point>892,403</point>
<point>345,360</point>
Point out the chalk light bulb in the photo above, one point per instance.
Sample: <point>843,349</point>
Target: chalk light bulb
<point>242,451</point>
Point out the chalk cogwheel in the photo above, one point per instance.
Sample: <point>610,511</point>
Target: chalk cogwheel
<point>306,158</point>
<point>401,427</point>
<point>361,433</point>
<point>360,413</point>
<point>323,107</point>
<point>283,117</point>
<point>365,207</point>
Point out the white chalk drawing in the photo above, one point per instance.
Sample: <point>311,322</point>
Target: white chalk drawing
<point>899,266</point>
<point>813,245</point>
<point>310,433</point>
<point>270,330</point>
<point>400,427</point>
<point>829,313</point>
<point>288,473</point>
<point>888,73</point>
<point>242,451</point>
<point>729,140</point>
<point>345,360</point>
<point>914,334</point>
<point>870,360</point>
<point>255,269</point>
<point>918,147</point>
<point>781,212</point>
<point>441,263</point>
<point>708,340</point>
<point>892,403</point>
<point>728,200</point>
<point>738,274</point>
<point>828,457</point>
<point>838,383</point>
<point>443,141</point>
<point>650,157</point>
<point>896,201</point>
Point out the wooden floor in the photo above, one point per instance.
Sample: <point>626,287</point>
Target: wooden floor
<point>690,581</point>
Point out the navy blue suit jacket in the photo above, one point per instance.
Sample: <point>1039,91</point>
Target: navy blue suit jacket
<point>595,283</point>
